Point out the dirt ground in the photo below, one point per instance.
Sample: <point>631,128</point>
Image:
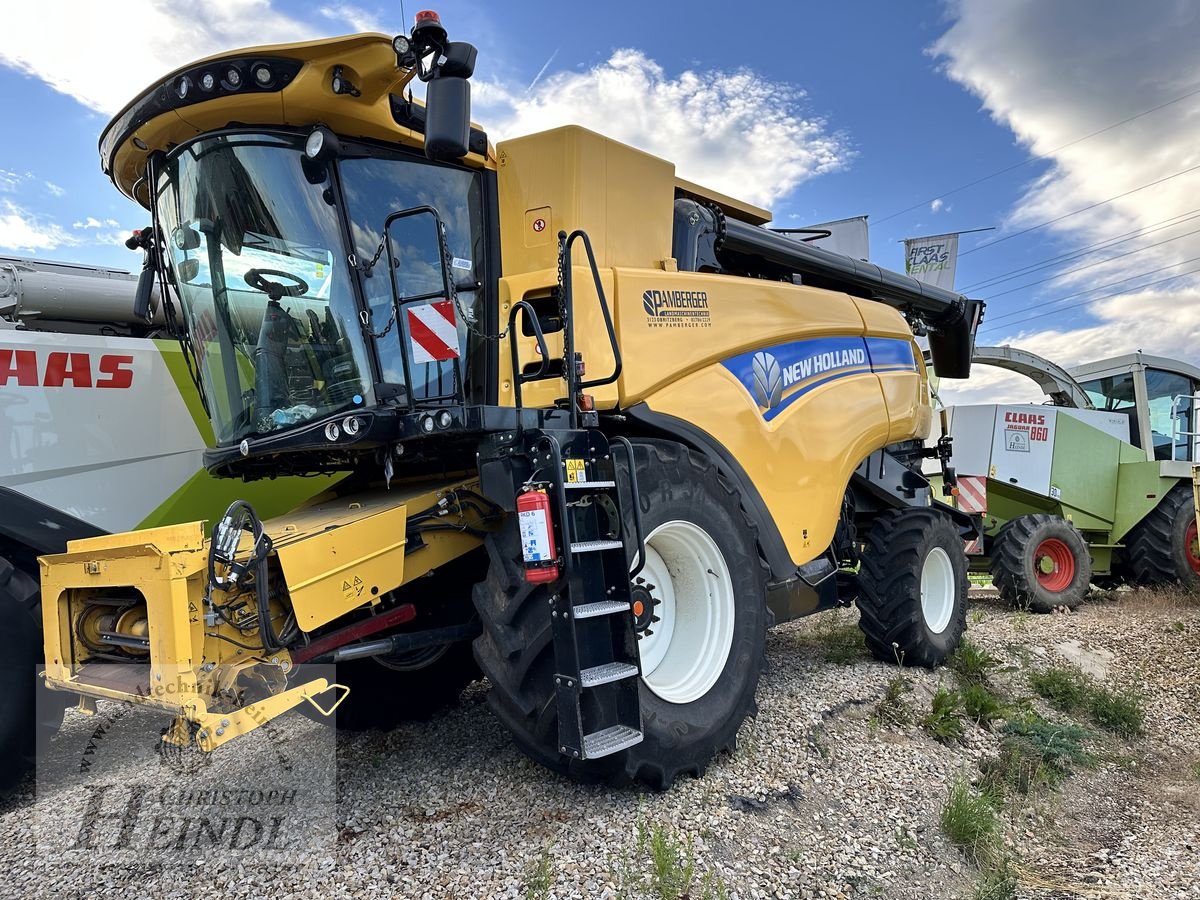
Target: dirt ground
<point>821,799</point>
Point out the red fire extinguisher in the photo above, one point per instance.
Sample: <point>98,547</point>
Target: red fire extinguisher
<point>537,537</point>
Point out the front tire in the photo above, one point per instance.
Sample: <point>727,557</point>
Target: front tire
<point>1041,562</point>
<point>703,549</point>
<point>1163,547</point>
<point>913,587</point>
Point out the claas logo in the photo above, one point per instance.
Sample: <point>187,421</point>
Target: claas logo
<point>80,370</point>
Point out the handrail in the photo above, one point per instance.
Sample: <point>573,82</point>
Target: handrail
<point>519,377</point>
<point>574,386</point>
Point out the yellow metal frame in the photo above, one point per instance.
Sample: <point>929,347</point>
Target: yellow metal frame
<point>193,666</point>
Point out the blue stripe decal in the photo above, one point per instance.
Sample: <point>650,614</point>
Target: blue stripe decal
<point>778,376</point>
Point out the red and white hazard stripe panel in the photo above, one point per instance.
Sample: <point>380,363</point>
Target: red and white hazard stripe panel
<point>972,493</point>
<point>432,332</point>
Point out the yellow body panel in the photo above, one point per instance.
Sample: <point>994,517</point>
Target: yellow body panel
<point>620,195</point>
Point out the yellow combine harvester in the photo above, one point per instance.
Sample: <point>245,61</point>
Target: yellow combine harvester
<point>599,421</point>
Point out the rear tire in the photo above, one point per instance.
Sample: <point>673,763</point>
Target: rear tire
<point>913,587</point>
<point>1162,549</point>
<point>683,492</point>
<point>29,712</point>
<point>1040,563</point>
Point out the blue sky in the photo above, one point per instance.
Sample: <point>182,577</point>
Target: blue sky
<point>856,108</point>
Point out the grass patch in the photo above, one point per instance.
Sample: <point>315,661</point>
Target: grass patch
<point>1120,712</point>
<point>997,883</point>
<point>1196,770</point>
<point>672,872</point>
<point>842,643</point>
<point>944,719</point>
<point>980,705</point>
<point>971,662</point>
<point>1066,688</point>
<point>1059,748</point>
<point>1070,690</point>
<point>895,709</point>
<point>970,821</point>
<point>538,878</point>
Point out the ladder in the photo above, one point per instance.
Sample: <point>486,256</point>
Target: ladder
<point>597,667</point>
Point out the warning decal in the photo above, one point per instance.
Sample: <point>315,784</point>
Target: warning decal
<point>535,532</point>
<point>432,332</point>
<point>575,471</point>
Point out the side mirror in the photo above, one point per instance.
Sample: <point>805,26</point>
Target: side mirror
<point>448,103</point>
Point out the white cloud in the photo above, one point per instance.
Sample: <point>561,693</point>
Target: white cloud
<point>93,222</point>
<point>357,18</point>
<point>9,180</point>
<point>936,205</point>
<point>159,38</point>
<point>1166,323</point>
<point>1053,73</point>
<point>734,131</point>
<point>54,189</point>
<point>25,231</point>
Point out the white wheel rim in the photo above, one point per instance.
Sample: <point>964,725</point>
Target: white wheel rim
<point>937,590</point>
<point>687,649</point>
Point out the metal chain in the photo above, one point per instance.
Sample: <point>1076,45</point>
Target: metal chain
<point>365,318</point>
<point>562,301</point>
<point>447,265</point>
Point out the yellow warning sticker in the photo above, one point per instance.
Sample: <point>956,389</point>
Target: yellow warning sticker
<point>575,471</point>
<point>347,590</point>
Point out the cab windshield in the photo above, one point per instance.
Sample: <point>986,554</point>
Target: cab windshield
<point>258,259</point>
<point>270,280</point>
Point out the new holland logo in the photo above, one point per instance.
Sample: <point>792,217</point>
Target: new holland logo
<point>768,380</point>
<point>676,309</point>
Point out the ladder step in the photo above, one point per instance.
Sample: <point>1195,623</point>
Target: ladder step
<point>588,485</point>
<point>593,546</point>
<point>603,674</point>
<point>600,608</point>
<point>611,740</point>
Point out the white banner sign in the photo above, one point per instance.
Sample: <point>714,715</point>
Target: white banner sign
<point>932,259</point>
<point>846,236</point>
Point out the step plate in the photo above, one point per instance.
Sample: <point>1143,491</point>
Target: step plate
<point>588,485</point>
<point>613,671</point>
<point>610,740</point>
<point>594,546</point>
<point>600,608</point>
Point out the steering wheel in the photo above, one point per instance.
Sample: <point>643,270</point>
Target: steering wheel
<point>273,289</point>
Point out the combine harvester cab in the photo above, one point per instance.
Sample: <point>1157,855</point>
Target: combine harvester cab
<point>1095,485</point>
<point>600,424</point>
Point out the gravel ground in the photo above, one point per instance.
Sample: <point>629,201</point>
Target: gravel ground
<point>819,800</point>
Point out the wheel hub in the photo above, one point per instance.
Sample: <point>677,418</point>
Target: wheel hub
<point>1192,540</point>
<point>1054,564</point>
<point>643,606</point>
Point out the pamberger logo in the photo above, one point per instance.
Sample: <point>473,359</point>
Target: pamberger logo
<point>676,309</point>
<point>768,380</point>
